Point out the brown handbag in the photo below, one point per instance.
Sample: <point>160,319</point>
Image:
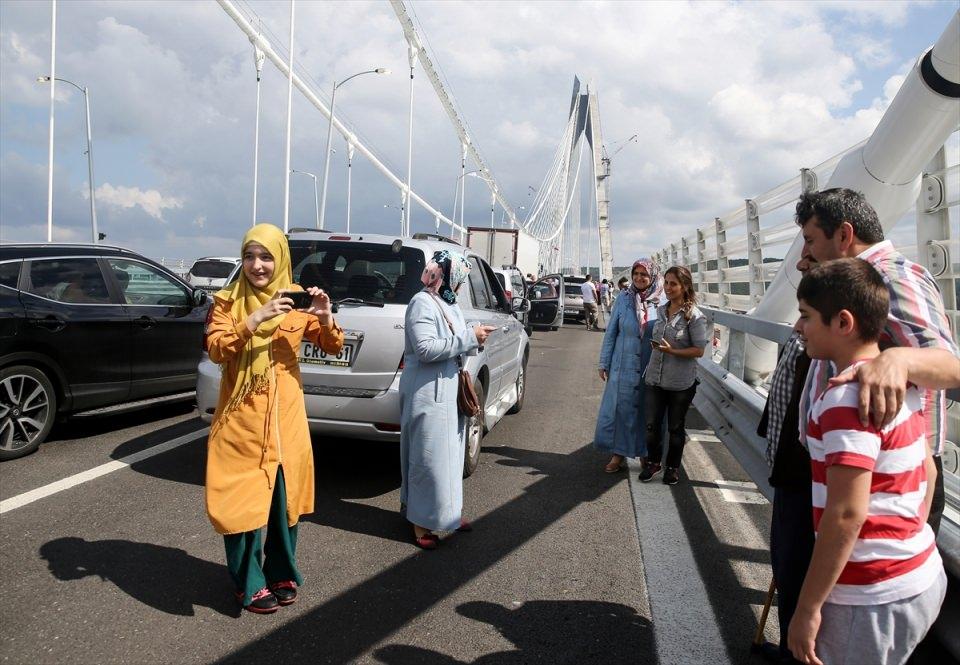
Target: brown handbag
<point>468,403</point>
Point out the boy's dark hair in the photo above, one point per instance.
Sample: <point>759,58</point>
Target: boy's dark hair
<point>622,281</point>
<point>850,284</point>
<point>833,207</point>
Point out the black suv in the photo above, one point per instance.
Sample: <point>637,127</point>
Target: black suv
<point>90,328</point>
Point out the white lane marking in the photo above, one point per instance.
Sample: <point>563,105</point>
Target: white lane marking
<point>84,476</point>
<point>739,491</point>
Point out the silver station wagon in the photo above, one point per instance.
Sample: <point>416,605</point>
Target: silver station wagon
<point>372,278</point>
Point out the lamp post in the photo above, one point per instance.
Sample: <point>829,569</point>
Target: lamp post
<point>326,159</point>
<point>413,48</point>
<point>350,150</point>
<point>258,58</point>
<point>316,200</point>
<point>86,102</point>
<point>52,79</point>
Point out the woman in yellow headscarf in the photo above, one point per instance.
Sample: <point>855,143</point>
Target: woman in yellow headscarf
<point>259,457</point>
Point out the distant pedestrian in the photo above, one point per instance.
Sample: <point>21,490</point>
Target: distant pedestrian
<point>621,423</point>
<point>679,337</point>
<point>622,285</point>
<point>605,295</point>
<point>590,309</point>
<point>431,429</point>
<point>259,455</point>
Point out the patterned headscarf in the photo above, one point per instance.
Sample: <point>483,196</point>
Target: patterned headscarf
<point>649,296</point>
<point>444,274</point>
<point>253,363</point>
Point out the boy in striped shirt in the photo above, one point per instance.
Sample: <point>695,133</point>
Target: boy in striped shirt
<point>876,581</point>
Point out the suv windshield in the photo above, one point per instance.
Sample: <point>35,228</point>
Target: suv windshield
<point>212,269</point>
<point>368,271</point>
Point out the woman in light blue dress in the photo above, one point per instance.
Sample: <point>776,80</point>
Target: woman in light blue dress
<point>621,424</point>
<point>431,427</point>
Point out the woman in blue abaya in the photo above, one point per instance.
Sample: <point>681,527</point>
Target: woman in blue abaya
<point>621,422</point>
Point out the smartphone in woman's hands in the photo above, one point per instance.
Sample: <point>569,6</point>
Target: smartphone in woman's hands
<point>301,299</point>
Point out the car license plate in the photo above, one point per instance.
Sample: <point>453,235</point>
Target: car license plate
<point>312,354</point>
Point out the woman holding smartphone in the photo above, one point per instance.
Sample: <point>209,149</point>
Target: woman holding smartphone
<point>679,338</point>
<point>621,424</point>
<point>431,427</point>
<point>259,455</point>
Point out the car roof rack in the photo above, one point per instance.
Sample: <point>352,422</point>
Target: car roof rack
<point>433,236</point>
<point>305,229</point>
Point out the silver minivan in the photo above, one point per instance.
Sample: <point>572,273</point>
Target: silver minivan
<point>372,278</point>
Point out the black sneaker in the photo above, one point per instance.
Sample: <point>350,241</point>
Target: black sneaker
<point>671,476</point>
<point>263,602</point>
<point>286,592</point>
<point>649,471</point>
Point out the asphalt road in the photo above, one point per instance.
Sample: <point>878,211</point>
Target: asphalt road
<point>124,567</point>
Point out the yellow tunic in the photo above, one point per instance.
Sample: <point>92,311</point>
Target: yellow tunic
<point>244,450</point>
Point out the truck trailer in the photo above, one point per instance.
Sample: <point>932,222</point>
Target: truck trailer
<point>506,247</point>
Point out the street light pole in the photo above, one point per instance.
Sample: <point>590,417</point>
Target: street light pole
<point>316,199</point>
<point>86,106</point>
<point>93,205</point>
<point>258,58</point>
<point>412,51</point>
<point>286,174</point>
<point>350,150</point>
<point>53,73</point>
<point>326,159</point>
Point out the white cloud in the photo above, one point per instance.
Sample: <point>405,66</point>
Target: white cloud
<point>151,201</point>
<point>728,100</point>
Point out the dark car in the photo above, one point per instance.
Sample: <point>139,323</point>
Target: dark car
<point>90,328</point>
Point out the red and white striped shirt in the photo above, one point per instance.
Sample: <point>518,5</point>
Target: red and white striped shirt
<point>895,556</point>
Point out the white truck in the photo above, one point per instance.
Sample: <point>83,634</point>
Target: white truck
<point>506,247</point>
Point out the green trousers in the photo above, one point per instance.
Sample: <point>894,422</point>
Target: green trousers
<point>252,567</point>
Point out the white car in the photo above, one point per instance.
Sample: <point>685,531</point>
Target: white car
<point>210,273</point>
<point>372,278</point>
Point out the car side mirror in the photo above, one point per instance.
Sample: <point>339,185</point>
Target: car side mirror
<point>200,297</point>
<point>521,305</point>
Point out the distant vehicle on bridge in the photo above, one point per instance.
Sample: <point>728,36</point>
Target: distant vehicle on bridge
<point>371,278</point>
<point>210,273</point>
<point>92,329</point>
<point>573,297</point>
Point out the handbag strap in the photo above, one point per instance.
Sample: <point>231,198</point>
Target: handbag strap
<point>449,325</point>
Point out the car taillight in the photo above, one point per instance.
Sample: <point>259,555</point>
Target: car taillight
<point>509,295</point>
<point>206,325</point>
<point>400,366</point>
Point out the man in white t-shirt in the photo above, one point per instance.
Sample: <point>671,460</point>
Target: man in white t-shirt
<point>589,291</point>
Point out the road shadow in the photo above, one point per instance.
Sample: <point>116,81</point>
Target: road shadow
<point>165,578</point>
<point>360,617</point>
<point>81,427</point>
<point>548,631</point>
<point>731,602</point>
<point>347,472</point>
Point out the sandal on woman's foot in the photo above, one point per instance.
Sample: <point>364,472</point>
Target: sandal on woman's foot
<point>427,541</point>
<point>286,592</point>
<point>614,465</point>
<point>465,526</point>
<point>263,602</point>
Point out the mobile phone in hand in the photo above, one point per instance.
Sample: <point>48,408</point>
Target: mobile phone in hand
<point>301,299</point>
<point>655,343</point>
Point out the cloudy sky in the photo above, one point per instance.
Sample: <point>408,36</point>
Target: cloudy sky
<point>728,99</point>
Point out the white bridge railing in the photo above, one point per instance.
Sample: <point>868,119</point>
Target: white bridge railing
<point>734,259</point>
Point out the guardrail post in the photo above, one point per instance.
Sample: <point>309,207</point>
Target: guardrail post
<point>933,229</point>
<point>685,260</point>
<point>702,262</point>
<point>755,253</point>
<point>808,181</point>
<point>723,286</point>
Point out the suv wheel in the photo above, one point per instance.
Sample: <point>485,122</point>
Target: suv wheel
<point>28,405</point>
<point>471,457</point>
<point>521,388</point>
